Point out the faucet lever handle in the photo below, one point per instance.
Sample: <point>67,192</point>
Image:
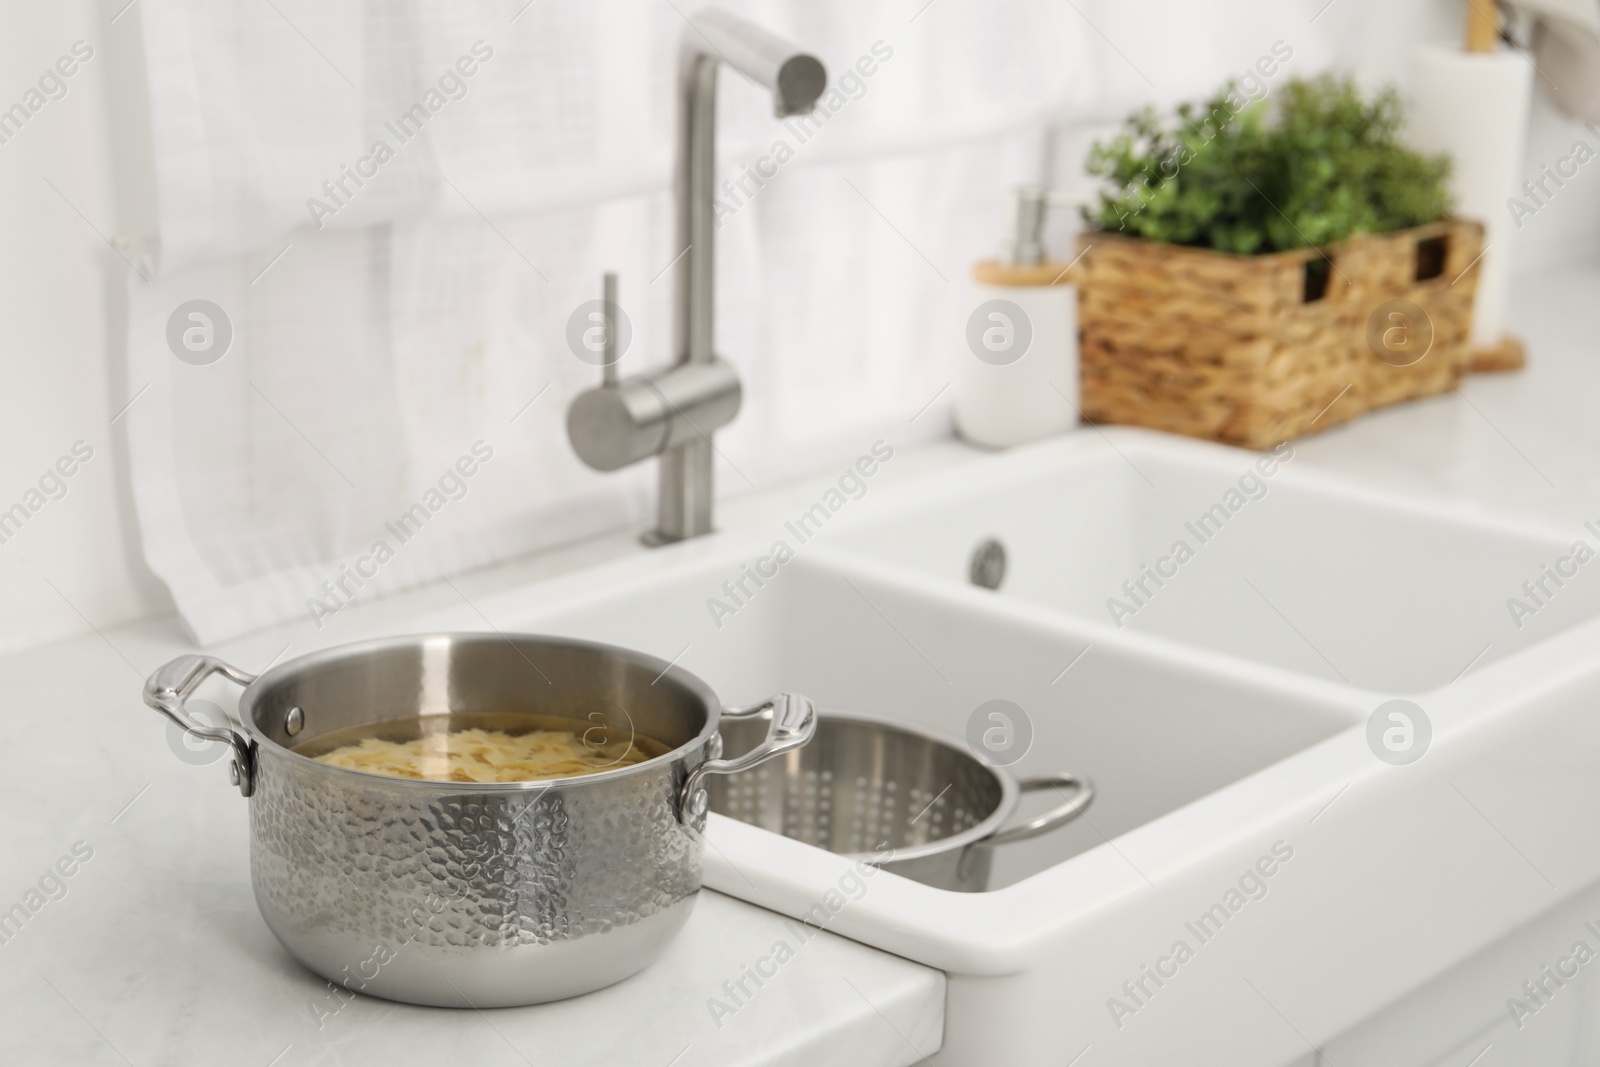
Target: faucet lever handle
<point>608,354</point>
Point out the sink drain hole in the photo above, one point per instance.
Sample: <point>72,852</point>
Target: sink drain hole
<point>988,567</point>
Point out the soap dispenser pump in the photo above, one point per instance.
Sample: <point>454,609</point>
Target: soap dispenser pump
<point>1017,378</point>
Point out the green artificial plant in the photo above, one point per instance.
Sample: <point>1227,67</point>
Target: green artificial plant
<point>1311,165</point>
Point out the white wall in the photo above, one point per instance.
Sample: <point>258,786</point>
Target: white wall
<point>76,563</point>
<point>1567,228</point>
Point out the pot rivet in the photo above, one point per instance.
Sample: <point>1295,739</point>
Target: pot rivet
<point>295,721</point>
<point>233,772</point>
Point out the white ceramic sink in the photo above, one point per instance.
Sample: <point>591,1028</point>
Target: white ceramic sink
<point>1224,725</point>
<point>1285,568</point>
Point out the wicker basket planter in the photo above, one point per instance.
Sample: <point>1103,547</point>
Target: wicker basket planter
<point>1254,350</point>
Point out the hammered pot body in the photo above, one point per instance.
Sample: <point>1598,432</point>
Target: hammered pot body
<point>468,894</point>
<point>470,898</point>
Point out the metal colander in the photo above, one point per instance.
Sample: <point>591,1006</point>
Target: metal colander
<point>909,801</point>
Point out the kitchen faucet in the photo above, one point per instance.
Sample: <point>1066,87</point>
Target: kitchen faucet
<point>673,412</point>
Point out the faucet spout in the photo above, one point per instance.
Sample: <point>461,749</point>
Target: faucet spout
<point>795,78</point>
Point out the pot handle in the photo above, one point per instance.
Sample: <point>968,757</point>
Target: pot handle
<point>171,686</point>
<point>1063,813</point>
<point>794,720</point>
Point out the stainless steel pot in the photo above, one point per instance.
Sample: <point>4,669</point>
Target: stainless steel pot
<point>869,789</point>
<point>469,894</point>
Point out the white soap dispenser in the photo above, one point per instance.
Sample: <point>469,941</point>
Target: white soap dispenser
<point>1017,377</point>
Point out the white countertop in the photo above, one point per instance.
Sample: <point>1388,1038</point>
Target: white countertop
<point>156,953</point>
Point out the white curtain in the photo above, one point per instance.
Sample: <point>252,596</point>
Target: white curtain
<point>399,314</point>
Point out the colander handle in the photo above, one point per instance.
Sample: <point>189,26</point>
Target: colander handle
<point>794,720</point>
<point>1076,804</point>
<point>171,686</point>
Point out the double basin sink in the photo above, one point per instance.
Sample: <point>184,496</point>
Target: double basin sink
<point>1205,633</point>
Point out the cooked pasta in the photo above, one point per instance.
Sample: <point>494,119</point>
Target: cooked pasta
<point>487,755</point>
